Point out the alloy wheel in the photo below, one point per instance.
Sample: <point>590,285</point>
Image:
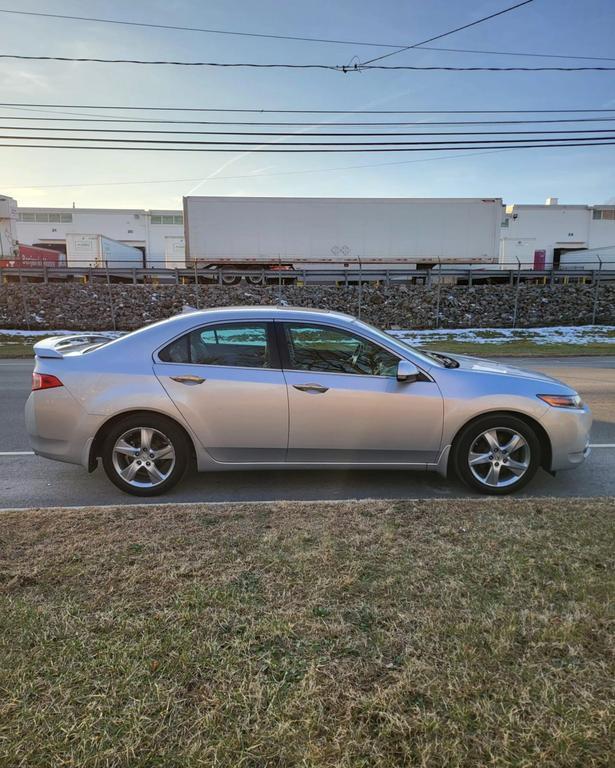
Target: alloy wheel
<point>143,457</point>
<point>499,457</point>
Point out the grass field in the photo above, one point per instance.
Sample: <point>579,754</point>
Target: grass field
<point>354,634</point>
<point>521,348</point>
<point>16,346</point>
<point>21,347</point>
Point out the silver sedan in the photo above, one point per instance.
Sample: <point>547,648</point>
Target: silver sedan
<point>274,387</point>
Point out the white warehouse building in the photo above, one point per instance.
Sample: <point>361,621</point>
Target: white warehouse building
<point>557,230</point>
<point>159,235</point>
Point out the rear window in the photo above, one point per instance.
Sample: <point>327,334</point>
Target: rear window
<point>231,344</point>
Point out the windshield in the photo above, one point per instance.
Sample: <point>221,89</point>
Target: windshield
<point>426,357</point>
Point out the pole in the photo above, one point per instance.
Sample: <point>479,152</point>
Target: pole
<point>26,309</point>
<point>360,286</point>
<point>514,325</point>
<point>438,294</point>
<point>595,308</point>
<point>196,285</point>
<point>110,296</point>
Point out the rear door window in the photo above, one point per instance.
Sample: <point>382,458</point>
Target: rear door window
<point>241,345</point>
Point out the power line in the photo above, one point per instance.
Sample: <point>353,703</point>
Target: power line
<point>281,150</point>
<point>516,53</point>
<point>326,67</point>
<point>311,111</point>
<point>314,144</point>
<point>450,32</point>
<point>175,132</point>
<point>298,38</point>
<point>328,124</point>
<point>262,175</point>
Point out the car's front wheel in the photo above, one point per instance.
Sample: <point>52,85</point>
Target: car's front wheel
<point>497,455</point>
<point>145,455</point>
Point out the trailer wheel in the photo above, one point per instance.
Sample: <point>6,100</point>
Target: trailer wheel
<point>227,279</point>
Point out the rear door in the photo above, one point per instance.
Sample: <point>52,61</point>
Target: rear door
<point>226,381</point>
<point>346,405</point>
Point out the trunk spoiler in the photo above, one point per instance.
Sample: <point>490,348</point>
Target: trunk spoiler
<point>58,346</point>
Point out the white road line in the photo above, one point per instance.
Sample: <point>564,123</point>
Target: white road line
<point>602,445</point>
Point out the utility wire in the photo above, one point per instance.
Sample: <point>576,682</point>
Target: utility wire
<point>446,34</point>
<point>261,175</point>
<point>313,144</point>
<point>294,133</point>
<point>311,111</point>
<point>515,53</point>
<point>281,150</point>
<point>298,38</point>
<point>328,124</point>
<point>327,67</point>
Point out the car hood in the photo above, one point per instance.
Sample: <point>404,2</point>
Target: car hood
<point>483,366</point>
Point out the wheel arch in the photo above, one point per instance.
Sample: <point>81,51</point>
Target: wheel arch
<point>99,437</point>
<point>546,451</point>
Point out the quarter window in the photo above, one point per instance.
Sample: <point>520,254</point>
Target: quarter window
<point>233,344</point>
<point>331,350</point>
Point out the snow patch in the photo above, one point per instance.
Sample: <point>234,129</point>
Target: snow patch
<point>562,334</point>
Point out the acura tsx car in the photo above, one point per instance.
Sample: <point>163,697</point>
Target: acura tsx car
<point>274,387</point>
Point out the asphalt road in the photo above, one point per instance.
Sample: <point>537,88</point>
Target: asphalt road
<point>30,481</point>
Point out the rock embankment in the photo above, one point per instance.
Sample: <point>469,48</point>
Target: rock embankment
<point>98,306</point>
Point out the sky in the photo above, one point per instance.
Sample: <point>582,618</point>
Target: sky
<point>40,177</point>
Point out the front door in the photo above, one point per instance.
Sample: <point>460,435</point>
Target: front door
<point>346,405</point>
<point>226,381</point>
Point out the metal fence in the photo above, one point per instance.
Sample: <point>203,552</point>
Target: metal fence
<point>311,273</point>
<point>308,272</point>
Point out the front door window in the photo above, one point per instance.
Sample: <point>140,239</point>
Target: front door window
<point>321,348</point>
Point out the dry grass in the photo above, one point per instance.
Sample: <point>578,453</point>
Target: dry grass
<point>520,348</point>
<point>419,633</point>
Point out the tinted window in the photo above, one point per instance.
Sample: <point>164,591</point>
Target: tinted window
<point>177,351</point>
<point>235,344</point>
<point>327,349</point>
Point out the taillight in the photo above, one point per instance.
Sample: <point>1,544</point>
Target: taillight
<point>45,381</point>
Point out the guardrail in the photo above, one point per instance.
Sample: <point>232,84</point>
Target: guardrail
<point>313,273</point>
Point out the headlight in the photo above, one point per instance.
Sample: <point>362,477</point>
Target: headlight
<point>562,401</point>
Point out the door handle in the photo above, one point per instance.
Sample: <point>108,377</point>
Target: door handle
<point>188,379</point>
<point>310,388</point>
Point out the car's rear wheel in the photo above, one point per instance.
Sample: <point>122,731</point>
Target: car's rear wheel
<point>145,455</point>
<point>497,455</point>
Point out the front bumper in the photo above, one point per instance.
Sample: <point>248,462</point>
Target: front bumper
<point>568,430</point>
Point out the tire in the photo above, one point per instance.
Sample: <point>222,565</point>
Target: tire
<point>147,473</point>
<point>226,279</point>
<point>497,469</point>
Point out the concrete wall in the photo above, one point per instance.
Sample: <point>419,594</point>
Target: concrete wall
<point>67,306</point>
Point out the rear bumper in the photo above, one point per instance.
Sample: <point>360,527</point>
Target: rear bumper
<point>568,430</point>
<point>58,427</point>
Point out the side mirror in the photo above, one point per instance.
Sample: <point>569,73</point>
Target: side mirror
<point>407,371</point>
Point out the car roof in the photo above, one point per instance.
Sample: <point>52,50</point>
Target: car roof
<point>272,310</point>
<point>151,336</point>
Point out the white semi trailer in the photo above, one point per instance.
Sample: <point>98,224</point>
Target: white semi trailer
<point>320,233</point>
<point>100,251</point>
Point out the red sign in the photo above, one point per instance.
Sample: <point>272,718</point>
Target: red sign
<point>539,259</point>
